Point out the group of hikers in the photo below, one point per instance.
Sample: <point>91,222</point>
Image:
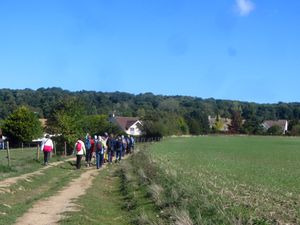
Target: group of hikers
<point>103,148</point>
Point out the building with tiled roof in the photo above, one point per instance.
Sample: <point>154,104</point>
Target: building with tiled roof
<point>130,125</point>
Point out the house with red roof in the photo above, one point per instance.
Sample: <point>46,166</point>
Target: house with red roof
<point>130,125</point>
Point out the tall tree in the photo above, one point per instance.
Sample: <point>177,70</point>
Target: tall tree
<point>22,126</point>
<point>98,124</point>
<point>236,122</point>
<point>65,121</point>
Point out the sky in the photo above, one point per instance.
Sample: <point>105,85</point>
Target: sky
<point>246,50</point>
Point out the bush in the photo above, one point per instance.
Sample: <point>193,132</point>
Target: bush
<point>296,130</point>
<point>275,130</point>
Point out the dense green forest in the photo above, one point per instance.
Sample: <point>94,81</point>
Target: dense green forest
<point>164,115</point>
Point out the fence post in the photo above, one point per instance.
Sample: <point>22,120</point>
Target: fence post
<point>65,148</point>
<point>38,152</point>
<point>8,154</point>
<point>54,147</point>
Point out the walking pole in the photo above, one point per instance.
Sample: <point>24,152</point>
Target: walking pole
<point>54,147</point>
<point>38,152</point>
<point>65,148</point>
<point>8,154</point>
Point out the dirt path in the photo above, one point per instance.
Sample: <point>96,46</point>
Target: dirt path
<point>4,184</point>
<point>49,211</point>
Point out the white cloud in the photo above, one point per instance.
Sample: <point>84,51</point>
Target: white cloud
<point>244,7</point>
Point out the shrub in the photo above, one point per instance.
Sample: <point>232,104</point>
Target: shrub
<point>275,130</point>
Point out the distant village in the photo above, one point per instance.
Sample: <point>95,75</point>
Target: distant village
<point>223,124</point>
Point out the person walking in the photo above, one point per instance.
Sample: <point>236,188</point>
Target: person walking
<point>110,143</point>
<point>79,150</point>
<point>88,147</point>
<point>119,147</point>
<point>124,146</point>
<point>99,152</point>
<point>132,143</point>
<point>47,147</point>
<point>92,150</point>
<point>104,140</point>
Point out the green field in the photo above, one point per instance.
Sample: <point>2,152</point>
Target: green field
<point>234,179</point>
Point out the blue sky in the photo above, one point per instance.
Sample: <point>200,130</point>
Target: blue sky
<point>227,49</point>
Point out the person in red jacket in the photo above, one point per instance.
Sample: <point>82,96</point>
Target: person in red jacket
<point>92,150</point>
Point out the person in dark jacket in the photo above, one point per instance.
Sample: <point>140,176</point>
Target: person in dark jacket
<point>119,147</point>
<point>99,152</point>
<point>111,144</point>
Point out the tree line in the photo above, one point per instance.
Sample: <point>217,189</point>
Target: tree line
<point>73,113</point>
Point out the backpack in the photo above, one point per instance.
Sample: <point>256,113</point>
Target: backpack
<point>111,144</point>
<point>99,145</point>
<point>88,144</point>
<point>119,145</point>
<point>78,146</point>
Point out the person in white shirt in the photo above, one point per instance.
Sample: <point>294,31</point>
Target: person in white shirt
<point>79,150</point>
<point>47,147</point>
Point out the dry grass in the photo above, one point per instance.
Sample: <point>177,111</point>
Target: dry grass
<point>182,218</point>
<point>156,192</point>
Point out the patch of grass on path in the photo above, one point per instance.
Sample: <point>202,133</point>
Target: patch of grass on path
<point>102,203</point>
<point>24,194</point>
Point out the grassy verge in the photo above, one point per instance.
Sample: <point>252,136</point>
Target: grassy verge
<point>102,202</point>
<point>136,200</point>
<point>21,196</point>
<point>22,161</point>
<point>166,197</point>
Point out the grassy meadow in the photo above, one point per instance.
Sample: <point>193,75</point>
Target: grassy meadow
<point>232,179</point>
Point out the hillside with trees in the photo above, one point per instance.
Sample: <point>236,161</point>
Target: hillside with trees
<point>162,115</point>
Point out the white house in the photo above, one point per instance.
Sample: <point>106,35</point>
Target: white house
<point>281,123</point>
<point>130,125</point>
